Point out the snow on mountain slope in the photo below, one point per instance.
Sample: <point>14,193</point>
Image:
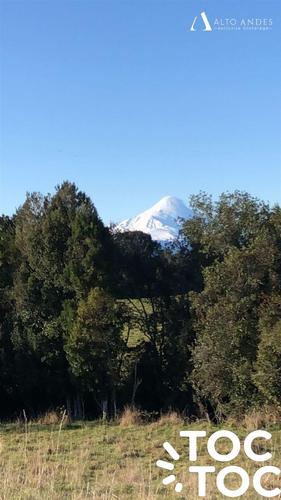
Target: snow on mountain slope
<point>162,221</point>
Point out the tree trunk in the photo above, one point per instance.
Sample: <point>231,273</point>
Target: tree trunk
<point>104,406</point>
<point>137,383</point>
<point>68,407</point>
<point>113,403</point>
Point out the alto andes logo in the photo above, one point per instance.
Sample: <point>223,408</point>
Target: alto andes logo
<point>203,23</point>
<point>261,480</point>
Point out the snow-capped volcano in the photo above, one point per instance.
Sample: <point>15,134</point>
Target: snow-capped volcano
<point>162,221</point>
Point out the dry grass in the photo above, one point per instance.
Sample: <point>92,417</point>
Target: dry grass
<point>170,418</point>
<point>130,416</point>
<point>260,419</point>
<point>53,417</point>
<point>94,460</point>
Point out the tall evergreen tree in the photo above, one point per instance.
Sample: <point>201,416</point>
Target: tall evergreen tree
<point>64,250</point>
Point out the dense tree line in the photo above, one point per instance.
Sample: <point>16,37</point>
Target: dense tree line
<point>92,319</point>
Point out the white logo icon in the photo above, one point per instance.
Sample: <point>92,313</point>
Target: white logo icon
<point>205,21</point>
<point>169,466</point>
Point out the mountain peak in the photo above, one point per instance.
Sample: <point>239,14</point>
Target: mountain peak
<point>162,221</point>
<point>170,205</point>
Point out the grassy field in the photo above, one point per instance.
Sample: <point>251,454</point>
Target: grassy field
<point>110,461</point>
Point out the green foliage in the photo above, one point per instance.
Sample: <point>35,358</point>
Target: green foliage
<point>241,266</point>
<point>63,251</point>
<point>226,312</point>
<point>233,221</point>
<point>95,344</point>
<point>8,260</point>
<point>268,365</point>
<point>88,316</point>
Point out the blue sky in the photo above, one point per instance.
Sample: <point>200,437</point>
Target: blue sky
<point>123,99</point>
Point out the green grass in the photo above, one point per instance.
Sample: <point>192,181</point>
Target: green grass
<point>106,461</point>
<point>140,309</point>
